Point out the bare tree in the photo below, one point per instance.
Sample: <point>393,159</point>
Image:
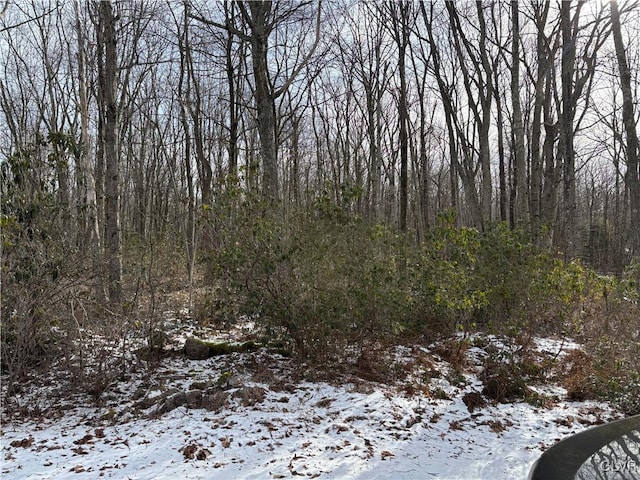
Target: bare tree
<point>108,83</point>
<point>262,18</point>
<point>91,237</point>
<point>519,153</point>
<point>567,123</point>
<point>402,17</point>
<point>369,62</point>
<point>576,83</point>
<point>446,89</point>
<point>234,85</point>
<point>423,151</point>
<point>184,97</point>
<point>542,80</point>
<point>473,139</point>
<point>632,176</point>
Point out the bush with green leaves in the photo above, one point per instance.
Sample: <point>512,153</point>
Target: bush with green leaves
<point>501,280</point>
<point>320,277</point>
<point>447,280</point>
<point>323,277</point>
<point>31,260</point>
<point>468,279</point>
<point>43,272</point>
<point>627,397</point>
<point>34,282</point>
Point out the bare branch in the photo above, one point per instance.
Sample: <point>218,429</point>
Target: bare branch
<point>226,26</point>
<point>305,60</point>
<point>29,20</point>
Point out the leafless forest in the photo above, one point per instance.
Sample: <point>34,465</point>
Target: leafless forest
<point>341,170</point>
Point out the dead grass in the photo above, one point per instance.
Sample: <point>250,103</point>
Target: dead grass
<point>454,351</point>
<point>578,376</point>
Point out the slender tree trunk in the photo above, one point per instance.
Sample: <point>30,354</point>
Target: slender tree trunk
<point>486,186</point>
<point>189,227</point>
<point>632,176</point>
<point>541,14</point>
<point>109,111</point>
<point>502,171</point>
<point>402,38</point>
<point>566,131</point>
<point>234,121</point>
<point>422,164</point>
<point>519,153</point>
<point>190,236</point>
<point>295,159</point>
<point>90,238</point>
<point>551,178</point>
<point>100,152</point>
<point>375,160</point>
<point>139,190</point>
<point>63,193</point>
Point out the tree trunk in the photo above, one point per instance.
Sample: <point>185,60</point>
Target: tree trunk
<point>184,93</point>
<point>632,176</point>
<point>566,131</point>
<point>519,153</point>
<point>401,32</point>
<point>109,112</point>
<point>486,95</point>
<point>90,238</point>
<point>265,104</point>
<point>503,195</point>
<point>541,14</point>
<point>231,72</point>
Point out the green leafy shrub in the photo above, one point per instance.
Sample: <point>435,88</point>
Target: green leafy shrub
<point>445,275</point>
<point>35,284</point>
<point>627,397</point>
<point>321,278</point>
<point>500,280</point>
<point>46,275</point>
<point>496,279</point>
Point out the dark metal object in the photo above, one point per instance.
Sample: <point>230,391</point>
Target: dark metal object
<point>606,452</point>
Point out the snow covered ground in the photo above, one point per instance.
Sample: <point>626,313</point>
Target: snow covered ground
<point>270,423</point>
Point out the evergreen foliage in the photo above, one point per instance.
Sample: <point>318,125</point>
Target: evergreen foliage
<point>323,278</point>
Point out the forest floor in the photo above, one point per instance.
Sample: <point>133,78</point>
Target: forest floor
<point>259,415</point>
